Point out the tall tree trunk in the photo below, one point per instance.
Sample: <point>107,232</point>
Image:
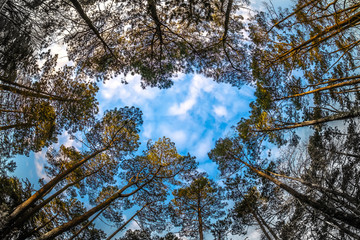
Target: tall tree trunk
<point>36,208</point>
<point>342,153</point>
<point>126,223</point>
<point>260,223</point>
<point>87,224</point>
<point>227,19</point>
<point>267,226</point>
<point>336,117</point>
<point>34,93</point>
<point>293,13</point>
<point>20,125</point>
<point>77,220</point>
<point>350,219</point>
<point>316,186</point>
<point>24,236</point>
<point>323,35</point>
<point>87,20</point>
<point>201,230</point>
<point>356,81</point>
<point>16,214</point>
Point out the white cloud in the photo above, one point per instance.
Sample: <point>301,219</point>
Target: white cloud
<point>179,137</point>
<point>203,146</point>
<point>184,107</point>
<point>131,93</point>
<point>60,50</point>
<point>198,85</point>
<point>220,111</point>
<point>179,77</point>
<point>148,129</point>
<point>40,157</point>
<point>40,162</point>
<point>254,235</point>
<point>193,113</point>
<point>68,142</point>
<point>133,225</point>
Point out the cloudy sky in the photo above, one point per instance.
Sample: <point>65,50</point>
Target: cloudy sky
<point>193,113</point>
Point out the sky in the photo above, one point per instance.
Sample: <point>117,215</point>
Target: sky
<point>193,113</point>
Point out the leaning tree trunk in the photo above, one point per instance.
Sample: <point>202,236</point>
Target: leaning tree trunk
<point>350,219</point>
<point>260,224</point>
<point>19,210</point>
<point>126,223</point>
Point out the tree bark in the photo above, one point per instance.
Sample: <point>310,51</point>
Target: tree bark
<point>24,236</point>
<point>316,186</point>
<point>34,93</point>
<point>313,122</point>
<point>87,224</point>
<point>338,27</point>
<point>227,19</point>
<point>126,223</point>
<point>20,125</point>
<point>201,234</point>
<point>350,219</point>
<point>87,20</point>
<point>321,89</point>
<point>16,214</point>
<point>292,14</point>
<point>267,226</point>
<point>260,224</point>
<point>77,220</point>
<point>36,208</point>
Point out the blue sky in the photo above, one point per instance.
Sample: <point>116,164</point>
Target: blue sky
<point>193,113</point>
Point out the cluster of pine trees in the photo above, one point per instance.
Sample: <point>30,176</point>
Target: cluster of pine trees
<point>291,169</point>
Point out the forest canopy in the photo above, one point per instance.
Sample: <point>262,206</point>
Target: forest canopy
<point>289,169</point>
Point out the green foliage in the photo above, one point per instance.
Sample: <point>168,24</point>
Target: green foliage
<point>198,202</point>
<point>302,61</point>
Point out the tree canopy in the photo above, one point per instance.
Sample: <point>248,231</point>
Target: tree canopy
<point>290,169</point>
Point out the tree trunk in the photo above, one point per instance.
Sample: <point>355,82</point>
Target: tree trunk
<point>87,224</point>
<point>260,223</point>
<point>87,20</point>
<point>36,208</point>
<point>126,223</point>
<point>267,226</point>
<point>336,117</point>
<point>20,125</point>
<point>321,89</point>
<point>227,19</point>
<point>315,186</point>
<point>16,214</point>
<point>350,219</point>
<point>321,36</point>
<point>77,220</point>
<point>293,13</point>
<point>24,236</point>
<point>342,153</point>
<point>34,93</point>
<point>201,234</point>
